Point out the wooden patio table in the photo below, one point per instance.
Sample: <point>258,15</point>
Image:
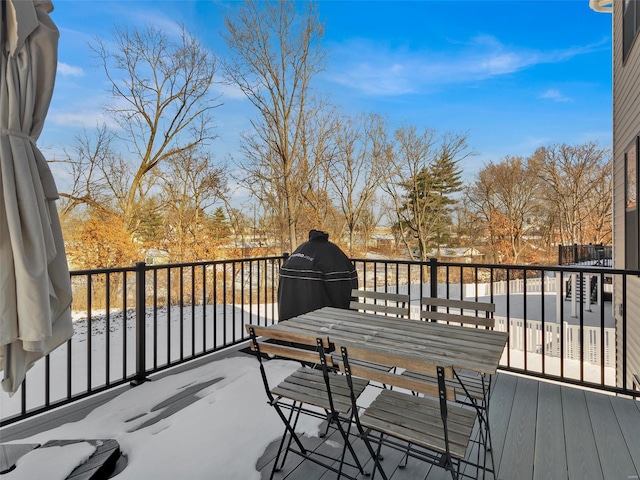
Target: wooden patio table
<point>475,349</point>
<point>464,348</point>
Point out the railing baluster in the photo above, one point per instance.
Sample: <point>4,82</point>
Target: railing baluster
<point>542,321</point>
<point>88,324</point>
<point>602,331</point>
<point>155,318</point>
<point>141,324</point>
<point>509,343</point>
<point>581,331</point>
<point>215,306</point>
<point>193,311</point>
<point>124,324</point>
<point>169,309</point>
<point>107,327</point>
<point>181,306</point>
<point>204,308</point>
<point>224,303</point>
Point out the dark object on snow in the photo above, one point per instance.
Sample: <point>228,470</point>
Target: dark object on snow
<point>318,274</point>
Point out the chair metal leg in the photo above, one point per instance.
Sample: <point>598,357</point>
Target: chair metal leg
<point>378,458</point>
<point>484,433</point>
<point>348,446</point>
<point>375,455</point>
<point>455,473</point>
<point>326,430</point>
<point>290,433</point>
<point>405,459</point>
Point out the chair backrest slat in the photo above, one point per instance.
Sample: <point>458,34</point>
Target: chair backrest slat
<point>287,335</point>
<point>292,344</point>
<point>397,304</point>
<point>359,355</point>
<point>427,311</point>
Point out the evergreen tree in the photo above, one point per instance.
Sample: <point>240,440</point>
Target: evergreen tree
<point>429,201</point>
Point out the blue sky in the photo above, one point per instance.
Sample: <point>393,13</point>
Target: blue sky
<point>513,75</point>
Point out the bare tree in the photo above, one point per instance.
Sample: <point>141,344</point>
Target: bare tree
<point>86,168</point>
<point>421,191</point>
<point>360,165</point>
<point>191,186</point>
<point>274,54</point>
<point>599,223</point>
<point>572,175</point>
<point>162,103</point>
<point>368,220</point>
<point>504,199</point>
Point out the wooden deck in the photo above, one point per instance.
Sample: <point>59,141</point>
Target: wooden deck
<point>540,430</point>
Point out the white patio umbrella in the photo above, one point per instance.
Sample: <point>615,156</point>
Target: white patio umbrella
<point>35,288</point>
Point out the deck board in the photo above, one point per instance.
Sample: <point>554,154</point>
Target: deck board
<point>612,448</point>
<point>628,416</point>
<point>566,432</point>
<point>582,453</point>
<point>500,407</point>
<point>550,459</point>
<point>540,431</point>
<point>518,453</point>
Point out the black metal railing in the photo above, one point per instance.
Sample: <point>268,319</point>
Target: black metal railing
<point>569,338</point>
<point>596,255</point>
<point>134,321</point>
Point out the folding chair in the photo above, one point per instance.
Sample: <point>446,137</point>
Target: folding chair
<point>473,389</point>
<point>309,391</point>
<point>426,427</point>
<point>384,303</point>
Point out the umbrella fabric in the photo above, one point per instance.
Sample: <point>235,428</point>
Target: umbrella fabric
<point>35,287</point>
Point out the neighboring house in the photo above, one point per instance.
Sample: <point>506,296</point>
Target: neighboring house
<point>155,256</point>
<point>626,168</point>
<point>383,240</point>
<point>464,254</point>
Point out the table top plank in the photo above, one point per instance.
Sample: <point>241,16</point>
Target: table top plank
<point>490,337</point>
<point>473,349</point>
<point>336,318</point>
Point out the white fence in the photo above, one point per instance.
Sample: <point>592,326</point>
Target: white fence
<point>536,342</point>
<point>551,341</point>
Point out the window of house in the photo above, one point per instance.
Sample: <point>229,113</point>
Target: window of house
<point>630,26</point>
<point>632,218</point>
<point>631,177</point>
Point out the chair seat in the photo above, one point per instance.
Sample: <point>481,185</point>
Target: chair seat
<point>307,385</point>
<point>417,420</point>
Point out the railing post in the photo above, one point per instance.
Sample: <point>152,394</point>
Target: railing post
<point>560,259</point>
<point>433,277</point>
<point>141,328</point>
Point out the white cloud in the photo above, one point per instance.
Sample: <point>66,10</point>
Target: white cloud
<point>377,69</point>
<point>228,91</point>
<point>144,14</point>
<point>81,118</point>
<point>555,95</point>
<point>66,69</point>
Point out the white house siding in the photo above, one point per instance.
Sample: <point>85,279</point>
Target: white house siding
<point>626,126</point>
